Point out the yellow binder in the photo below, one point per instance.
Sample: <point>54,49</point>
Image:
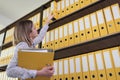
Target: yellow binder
<point>87,2</point>
<point>109,20</point>
<point>59,9</point>
<point>88,28</point>
<point>67,6</point>
<point>61,72</point>
<point>71,33</point>
<point>72,68</point>
<point>82,30</point>
<point>66,69</point>
<point>35,59</point>
<point>61,40</point>
<point>100,65</point>
<point>44,16</point>
<point>53,9</point>
<point>72,6</point>
<point>92,66</point>
<point>78,67</point>
<point>38,21</point>
<point>63,11</point>
<point>65,29</point>
<point>93,1</point>
<point>56,46</point>
<point>77,5</point>
<point>52,39</point>
<point>116,15</point>
<point>101,23</point>
<point>82,3</point>
<point>48,40</point>
<point>94,24</point>
<point>110,72</point>
<point>55,75</point>
<point>34,20</point>
<point>116,60</point>
<point>44,42</point>
<point>76,31</point>
<point>85,67</point>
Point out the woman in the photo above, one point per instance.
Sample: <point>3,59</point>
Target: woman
<point>26,36</point>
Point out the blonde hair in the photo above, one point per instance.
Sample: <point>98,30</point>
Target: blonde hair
<point>22,32</point>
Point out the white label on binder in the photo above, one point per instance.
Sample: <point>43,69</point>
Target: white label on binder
<point>87,22</point>
<point>76,27</point>
<point>81,23</point>
<point>63,4</point>
<point>93,20</point>
<point>60,68</point>
<point>91,62</point>
<point>55,67</point>
<point>47,37</point>
<point>76,0</point>
<point>56,33</point>
<point>84,64</point>
<point>52,35</point>
<point>108,14</point>
<point>66,67</point>
<point>48,12</point>
<point>67,3</point>
<point>70,28</point>
<point>100,17</point>
<point>72,66</point>
<point>44,14</point>
<point>58,5</point>
<point>65,30</point>
<point>71,2</point>
<point>60,32</point>
<point>116,11</point>
<point>116,58</point>
<point>52,6</point>
<point>77,62</point>
<point>107,59</point>
<point>99,61</point>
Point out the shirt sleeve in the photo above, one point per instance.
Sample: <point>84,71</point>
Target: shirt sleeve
<point>41,35</point>
<point>13,70</point>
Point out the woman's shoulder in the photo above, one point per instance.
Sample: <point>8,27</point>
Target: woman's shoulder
<point>22,45</point>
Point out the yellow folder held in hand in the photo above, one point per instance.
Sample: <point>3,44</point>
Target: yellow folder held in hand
<point>35,59</point>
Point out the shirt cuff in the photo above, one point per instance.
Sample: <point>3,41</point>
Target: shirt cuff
<point>33,73</point>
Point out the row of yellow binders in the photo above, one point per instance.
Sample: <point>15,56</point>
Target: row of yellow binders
<point>3,76</point>
<point>65,7</point>
<point>98,65</point>
<point>1,38</point>
<point>9,35</point>
<point>6,55</point>
<point>5,60</point>
<point>36,20</point>
<point>101,23</point>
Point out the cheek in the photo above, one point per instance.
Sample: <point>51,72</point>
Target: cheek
<point>35,32</point>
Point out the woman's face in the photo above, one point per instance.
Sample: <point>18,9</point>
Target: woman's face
<point>34,33</point>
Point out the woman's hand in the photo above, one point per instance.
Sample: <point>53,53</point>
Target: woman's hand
<point>49,18</point>
<point>46,71</point>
